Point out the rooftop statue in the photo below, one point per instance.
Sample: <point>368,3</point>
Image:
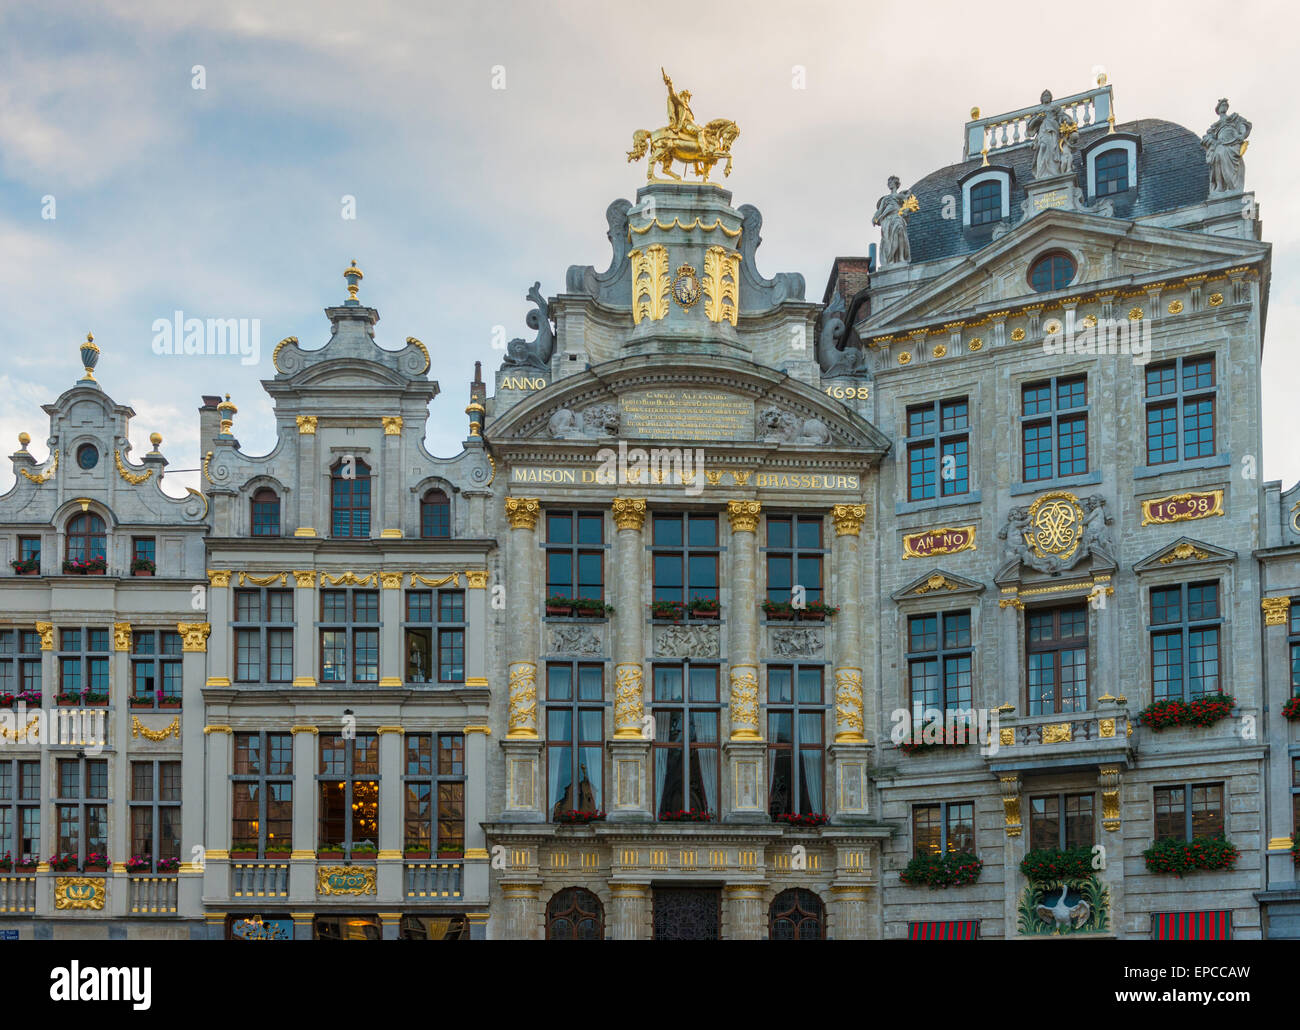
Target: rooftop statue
<point>682,139</point>
<point>892,212</point>
<point>1225,142</point>
<point>1055,140</point>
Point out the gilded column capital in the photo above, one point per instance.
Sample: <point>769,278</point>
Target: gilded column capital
<point>307,425</point>
<point>743,515</point>
<point>1010,786</point>
<point>629,512</point>
<point>392,425</point>
<point>304,578</point>
<point>121,636</point>
<point>195,635</point>
<point>849,518</point>
<point>391,580</point>
<point>523,512</point>
<point>1277,610</point>
<point>218,577</point>
<point>46,630</point>
<point>476,579</point>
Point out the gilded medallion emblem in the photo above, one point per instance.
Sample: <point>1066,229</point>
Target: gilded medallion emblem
<point>1055,525</point>
<point>686,287</point>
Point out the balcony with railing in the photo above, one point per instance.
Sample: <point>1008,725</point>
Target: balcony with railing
<point>153,895</point>
<point>988,136</point>
<point>259,879</point>
<point>434,880</point>
<point>1082,740</point>
<point>17,893</point>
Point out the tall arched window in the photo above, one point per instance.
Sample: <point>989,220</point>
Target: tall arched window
<point>87,538</point>
<point>575,914</point>
<point>435,515</point>
<point>350,498</point>
<point>265,513</point>
<point>797,915</point>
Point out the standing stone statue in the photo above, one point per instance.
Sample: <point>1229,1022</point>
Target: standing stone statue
<point>892,212</point>
<point>1225,142</point>
<point>1055,140</point>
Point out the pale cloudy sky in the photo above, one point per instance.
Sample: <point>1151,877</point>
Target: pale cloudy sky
<point>226,202</point>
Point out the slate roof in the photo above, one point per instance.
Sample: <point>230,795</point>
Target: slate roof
<point>1172,173</point>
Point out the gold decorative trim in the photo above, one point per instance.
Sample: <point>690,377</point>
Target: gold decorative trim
<point>389,855</point>
<point>850,704</point>
<point>952,540</point>
<point>216,729</point>
<point>390,681</point>
<point>46,630</point>
<point>306,854</point>
<point>391,580</point>
<point>523,512</point>
<point>848,518</point>
<point>139,729</point>
<point>629,512</point>
<point>476,855</point>
<point>303,681</point>
<point>522,705</point>
<point>392,425</point>
<point>197,493</point>
<point>79,892</point>
<point>304,531</point>
<point>207,458</point>
<point>1106,727</point>
<point>304,579</point>
<point>1205,504</point>
<point>411,341</point>
<point>478,728</point>
<point>304,729</point>
<point>937,582</point>
<point>650,280</point>
<point>905,358</point>
<point>134,478</point>
<point>476,579</point>
<point>1276,610</point>
<point>1279,844</point>
<point>219,577</point>
<point>1175,307</point>
<point>743,515</point>
<point>939,351</point>
<point>476,681</point>
<point>1216,299</point>
<point>42,477</point>
<point>263,581</point>
<point>276,353</point>
<point>195,634</point>
<point>349,579</point>
<point>1185,552</point>
<point>677,224</point>
<point>121,636</point>
<point>1058,733</point>
<point>306,425</point>
<point>721,284</point>
<point>453,579</point>
<point>19,734</point>
<point>217,681</point>
<point>364,874</point>
<point>1017,335</point>
<point>975,345</point>
<point>1135,314</point>
<point>390,534</point>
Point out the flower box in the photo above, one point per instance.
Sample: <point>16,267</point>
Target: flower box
<point>364,852</point>
<point>1291,710</point>
<point>26,566</point>
<point>704,608</point>
<point>329,851</point>
<point>669,610</point>
<point>94,700</point>
<point>169,702</point>
<point>449,853</point>
<point>1052,865</point>
<point>591,609</point>
<point>780,610</point>
<point>1203,711</point>
<point>142,572</point>
<point>1177,856</point>
<point>139,864</point>
<point>169,865</point>
<point>417,853</point>
<point>279,852</point>
<point>91,567</point>
<point>802,820</point>
<point>24,867</point>
<point>241,854</point>
<point>67,700</point>
<point>141,702</point>
<point>7,700</point>
<point>143,567</point>
<point>939,871</point>
<point>817,611</point>
<point>32,698</point>
<point>686,815</point>
<point>558,604</point>
<point>576,816</point>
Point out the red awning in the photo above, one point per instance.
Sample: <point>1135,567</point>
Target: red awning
<point>1191,926</point>
<point>959,930</point>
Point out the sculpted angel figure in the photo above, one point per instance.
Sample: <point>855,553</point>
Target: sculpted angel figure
<point>1225,142</point>
<point>892,212</point>
<point>1055,140</point>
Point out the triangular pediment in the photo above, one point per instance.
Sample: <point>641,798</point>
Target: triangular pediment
<point>707,401</point>
<point>1185,551</point>
<point>938,583</point>
<point>1115,255</point>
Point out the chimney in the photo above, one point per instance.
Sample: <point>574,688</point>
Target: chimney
<point>209,424</point>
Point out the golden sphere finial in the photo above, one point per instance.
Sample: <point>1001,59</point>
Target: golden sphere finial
<point>155,439</point>
<point>974,113</point>
<point>24,439</point>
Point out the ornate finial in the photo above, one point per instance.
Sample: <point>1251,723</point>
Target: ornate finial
<point>23,440</point>
<point>1101,79</point>
<point>353,276</point>
<point>228,412</point>
<point>89,357</point>
<point>477,395</point>
<point>974,113</point>
<point>696,146</point>
<point>155,439</point>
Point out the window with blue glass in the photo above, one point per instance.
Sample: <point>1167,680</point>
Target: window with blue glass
<point>685,554</point>
<point>1053,271</point>
<point>939,661</point>
<point>156,663</point>
<point>938,449</point>
<point>796,737</point>
<point>266,513</point>
<point>435,636</point>
<point>1180,401</point>
<point>575,554</point>
<point>986,202</point>
<point>20,810</point>
<point>1185,625</point>
<point>1056,657</point>
<point>87,538</point>
<point>263,631</point>
<point>350,498</point>
<point>794,555</point>
<point>1293,639</point>
<point>686,752</point>
<point>349,636</point>
<point>435,516</point>
<point>82,659</point>
<point>575,719</point>
<point>1054,427</point>
<point>1110,172</point>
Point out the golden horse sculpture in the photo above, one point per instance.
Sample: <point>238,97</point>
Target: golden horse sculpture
<point>683,140</point>
<point>666,146</point>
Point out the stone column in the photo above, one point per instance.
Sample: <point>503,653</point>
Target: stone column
<point>745,920</point>
<point>630,747</point>
<point>308,472</point>
<point>391,478</point>
<point>849,750</point>
<point>745,749</point>
<point>304,634</point>
<point>216,839</point>
<point>304,925</point>
<point>521,911</point>
<point>522,744</point>
<point>392,815</point>
<point>219,644</point>
<point>1275,692</point>
<point>391,647</point>
<point>474,888</point>
<point>476,621</point>
<point>302,868</point>
<point>478,922</point>
<point>849,907</point>
<point>627,912</point>
<point>389,924</point>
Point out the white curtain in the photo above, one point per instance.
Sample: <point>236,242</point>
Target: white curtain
<point>705,731</point>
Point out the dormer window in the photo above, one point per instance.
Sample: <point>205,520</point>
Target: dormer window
<point>1112,166</point>
<point>265,513</point>
<point>1054,270</point>
<point>986,197</point>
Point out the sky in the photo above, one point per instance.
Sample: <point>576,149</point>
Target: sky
<point>482,142</point>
